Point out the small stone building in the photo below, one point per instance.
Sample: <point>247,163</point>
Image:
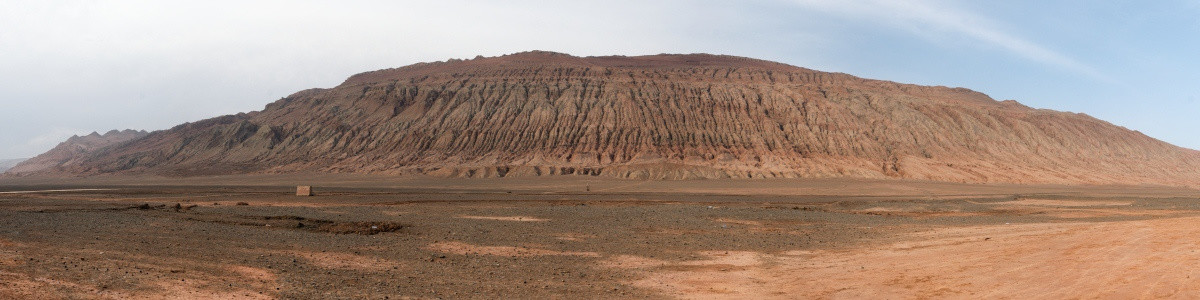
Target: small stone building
<point>304,190</point>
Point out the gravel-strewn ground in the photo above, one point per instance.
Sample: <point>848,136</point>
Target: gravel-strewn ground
<point>183,242</point>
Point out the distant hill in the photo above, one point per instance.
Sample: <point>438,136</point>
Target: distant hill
<point>6,164</point>
<point>72,152</point>
<point>659,117</point>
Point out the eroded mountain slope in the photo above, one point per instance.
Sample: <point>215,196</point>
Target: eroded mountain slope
<point>662,116</point>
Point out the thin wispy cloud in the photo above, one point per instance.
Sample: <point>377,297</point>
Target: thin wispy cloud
<point>930,20</point>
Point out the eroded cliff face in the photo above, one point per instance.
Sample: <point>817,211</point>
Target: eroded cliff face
<point>659,117</point>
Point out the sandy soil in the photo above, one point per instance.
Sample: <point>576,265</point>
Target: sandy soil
<point>455,241</point>
<point>1119,260</point>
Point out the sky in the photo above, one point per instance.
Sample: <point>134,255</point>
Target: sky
<point>74,67</point>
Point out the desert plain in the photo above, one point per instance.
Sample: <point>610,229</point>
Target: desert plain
<point>373,237</point>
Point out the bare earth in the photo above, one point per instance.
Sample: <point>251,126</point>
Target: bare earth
<point>571,238</point>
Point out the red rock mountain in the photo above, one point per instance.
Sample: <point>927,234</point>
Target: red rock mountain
<point>661,117</point>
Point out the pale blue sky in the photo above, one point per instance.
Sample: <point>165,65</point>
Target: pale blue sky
<point>73,67</point>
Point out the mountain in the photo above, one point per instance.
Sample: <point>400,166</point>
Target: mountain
<point>6,164</point>
<point>659,117</point>
<point>71,153</point>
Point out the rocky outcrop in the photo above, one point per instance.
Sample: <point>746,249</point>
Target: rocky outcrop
<point>656,117</point>
<point>71,154</point>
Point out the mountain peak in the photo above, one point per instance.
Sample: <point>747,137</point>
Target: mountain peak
<point>68,152</point>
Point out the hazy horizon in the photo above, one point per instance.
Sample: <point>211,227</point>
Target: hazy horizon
<point>74,67</point>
